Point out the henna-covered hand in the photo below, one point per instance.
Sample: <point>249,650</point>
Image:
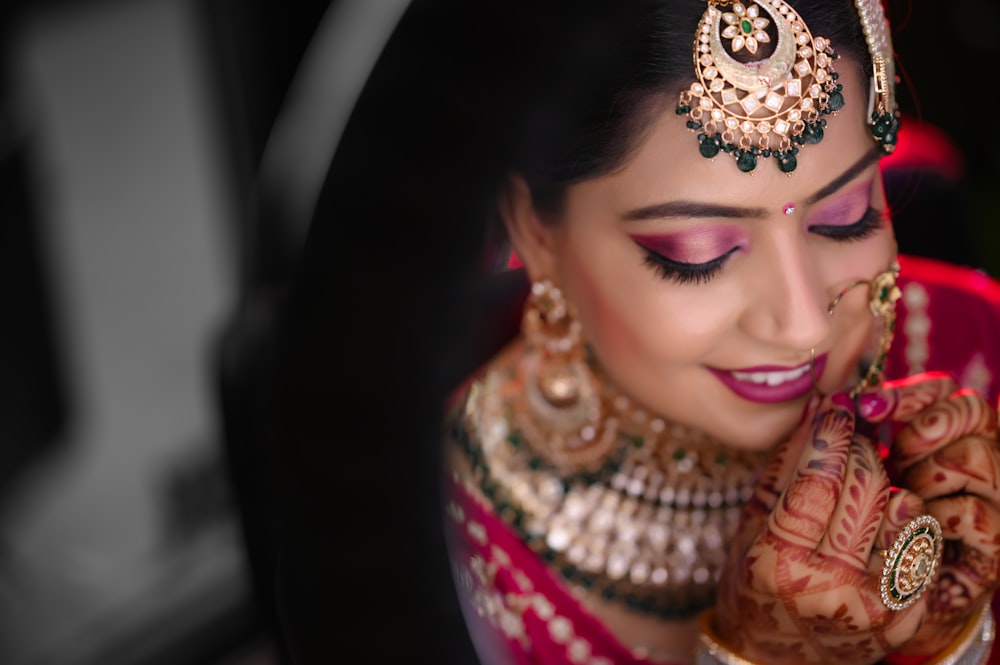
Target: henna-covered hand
<point>802,581</point>
<point>945,450</point>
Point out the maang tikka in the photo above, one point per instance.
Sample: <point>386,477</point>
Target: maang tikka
<point>769,106</point>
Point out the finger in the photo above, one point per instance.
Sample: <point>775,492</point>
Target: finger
<point>970,569</point>
<point>898,401</point>
<point>803,510</point>
<point>781,467</point>
<point>901,507</point>
<point>970,520</point>
<point>963,413</point>
<point>859,513</point>
<point>970,465</point>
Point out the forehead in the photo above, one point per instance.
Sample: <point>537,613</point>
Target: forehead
<point>667,163</point>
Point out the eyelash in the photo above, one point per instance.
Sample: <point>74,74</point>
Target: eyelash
<point>859,230</point>
<point>686,273</point>
<point>702,273</point>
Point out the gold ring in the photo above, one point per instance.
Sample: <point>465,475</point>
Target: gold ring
<point>911,562</point>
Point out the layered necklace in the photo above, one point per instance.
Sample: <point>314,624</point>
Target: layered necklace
<point>641,516</point>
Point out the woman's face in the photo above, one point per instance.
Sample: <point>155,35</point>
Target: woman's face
<point>702,298</point>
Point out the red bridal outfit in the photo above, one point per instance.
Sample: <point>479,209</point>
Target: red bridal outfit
<point>527,550</point>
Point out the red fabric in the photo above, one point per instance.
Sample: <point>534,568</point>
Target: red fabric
<point>517,610</point>
<point>922,145</point>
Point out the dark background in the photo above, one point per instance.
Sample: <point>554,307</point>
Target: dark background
<point>355,517</point>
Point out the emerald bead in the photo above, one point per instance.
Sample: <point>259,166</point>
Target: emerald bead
<point>746,26</point>
<point>813,134</point>
<point>709,147</point>
<point>787,162</point>
<point>746,161</point>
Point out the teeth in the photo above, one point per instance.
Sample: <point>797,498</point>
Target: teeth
<point>772,378</point>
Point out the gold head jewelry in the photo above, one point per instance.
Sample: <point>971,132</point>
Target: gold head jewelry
<point>771,105</point>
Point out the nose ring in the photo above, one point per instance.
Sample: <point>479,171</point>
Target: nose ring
<point>812,368</point>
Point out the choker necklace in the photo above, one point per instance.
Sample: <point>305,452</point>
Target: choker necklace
<point>646,525</point>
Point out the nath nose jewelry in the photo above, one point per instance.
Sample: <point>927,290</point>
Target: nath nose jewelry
<point>812,368</point>
<point>882,296</point>
<point>911,562</point>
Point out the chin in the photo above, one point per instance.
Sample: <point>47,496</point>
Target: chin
<point>761,427</point>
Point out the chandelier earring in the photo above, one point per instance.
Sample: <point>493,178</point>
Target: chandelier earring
<point>560,412</point>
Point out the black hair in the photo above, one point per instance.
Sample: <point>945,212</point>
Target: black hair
<point>596,111</point>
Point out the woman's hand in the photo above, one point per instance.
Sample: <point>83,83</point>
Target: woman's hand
<point>946,452</point>
<point>802,581</point>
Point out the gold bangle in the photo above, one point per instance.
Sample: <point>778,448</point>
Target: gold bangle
<point>711,650</point>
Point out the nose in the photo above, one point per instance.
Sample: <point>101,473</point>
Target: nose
<point>788,303</point>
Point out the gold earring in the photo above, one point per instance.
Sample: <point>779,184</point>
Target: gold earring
<point>882,296</point>
<point>560,412</point>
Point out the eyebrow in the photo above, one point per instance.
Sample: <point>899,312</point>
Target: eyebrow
<point>695,209</point>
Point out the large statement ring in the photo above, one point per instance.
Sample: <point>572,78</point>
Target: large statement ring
<point>911,562</point>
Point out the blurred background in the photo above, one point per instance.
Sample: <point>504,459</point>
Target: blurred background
<point>159,163</point>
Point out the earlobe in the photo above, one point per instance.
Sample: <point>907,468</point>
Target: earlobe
<point>531,238</point>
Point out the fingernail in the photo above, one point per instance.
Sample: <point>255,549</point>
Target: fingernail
<point>872,405</point>
<point>842,400</point>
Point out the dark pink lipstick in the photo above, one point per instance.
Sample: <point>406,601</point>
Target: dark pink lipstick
<point>770,384</point>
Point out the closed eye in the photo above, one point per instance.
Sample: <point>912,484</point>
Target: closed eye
<point>869,223</point>
<point>686,273</point>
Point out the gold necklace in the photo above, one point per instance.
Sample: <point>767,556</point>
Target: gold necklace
<point>644,524</point>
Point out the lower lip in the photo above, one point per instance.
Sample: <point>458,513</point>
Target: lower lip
<point>765,394</point>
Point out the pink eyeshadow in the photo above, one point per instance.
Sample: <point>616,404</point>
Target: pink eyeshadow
<point>695,246</point>
<point>845,209</point>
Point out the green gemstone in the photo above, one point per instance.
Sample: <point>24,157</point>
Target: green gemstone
<point>813,134</point>
<point>746,26</point>
<point>787,162</point>
<point>709,147</point>
<point>746,161</point>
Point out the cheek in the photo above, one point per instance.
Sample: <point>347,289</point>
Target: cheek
<point>630,316</point>
<point>607,324</point>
